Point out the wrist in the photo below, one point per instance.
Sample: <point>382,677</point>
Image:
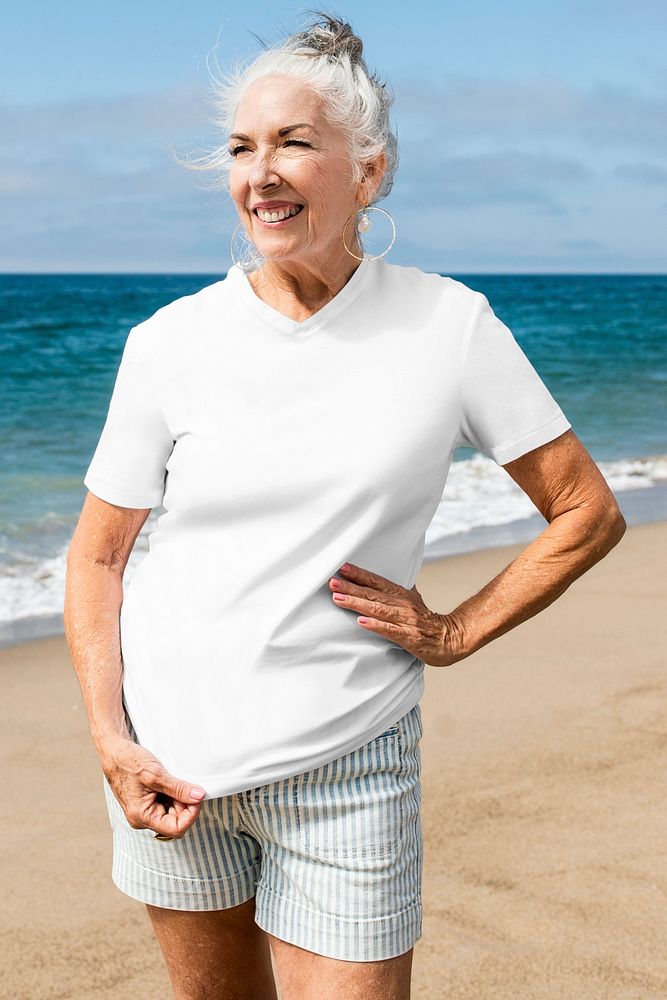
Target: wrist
<point>111,750</point>
<point>456,643</point>
<point>107,738</point>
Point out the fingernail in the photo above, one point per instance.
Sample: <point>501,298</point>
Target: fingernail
<point>344,568</point>
<point>197,793</point>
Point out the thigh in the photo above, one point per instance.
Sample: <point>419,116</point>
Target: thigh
<point>341,874</point>
<point>199,894</point>
<point>304,975</point>
<point>221,953</point>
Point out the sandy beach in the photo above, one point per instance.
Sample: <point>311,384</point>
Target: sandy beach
<point>544,761</point>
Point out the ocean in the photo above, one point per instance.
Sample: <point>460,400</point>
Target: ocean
<point>599,343</point>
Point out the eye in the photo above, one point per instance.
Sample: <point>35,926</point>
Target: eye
<point>235,150</point>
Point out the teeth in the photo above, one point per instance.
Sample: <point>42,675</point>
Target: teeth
<point>282,213</point>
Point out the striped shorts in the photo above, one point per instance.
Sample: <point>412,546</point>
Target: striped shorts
<point>334,855</point>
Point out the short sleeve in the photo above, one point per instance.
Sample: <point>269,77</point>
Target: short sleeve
<point>506,409</point>
<point>128,467</point>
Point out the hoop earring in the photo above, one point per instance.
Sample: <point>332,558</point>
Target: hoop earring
<point>250,257</point>
<point>364,225</point>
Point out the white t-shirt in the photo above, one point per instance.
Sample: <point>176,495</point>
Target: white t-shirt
<point>280,450</point>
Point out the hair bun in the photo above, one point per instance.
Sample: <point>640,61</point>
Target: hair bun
<point>333,37</point>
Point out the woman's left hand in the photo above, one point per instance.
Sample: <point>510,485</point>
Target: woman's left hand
<point>398,614</point>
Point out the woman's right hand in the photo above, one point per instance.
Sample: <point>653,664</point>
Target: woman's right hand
<point>151,797</point>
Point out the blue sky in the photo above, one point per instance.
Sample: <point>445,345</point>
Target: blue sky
<point>532,136</point>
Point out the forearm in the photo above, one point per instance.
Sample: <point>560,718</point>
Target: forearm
<point>569,545</point>
<point>93,598</point>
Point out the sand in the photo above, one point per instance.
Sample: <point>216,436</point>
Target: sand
<point>545,826</point>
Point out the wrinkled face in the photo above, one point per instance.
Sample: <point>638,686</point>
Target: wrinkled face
<point>289,159</point>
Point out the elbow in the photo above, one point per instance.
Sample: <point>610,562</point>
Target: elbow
<point>620,528</point>
<point>80,558</point>
<point>612,524</point>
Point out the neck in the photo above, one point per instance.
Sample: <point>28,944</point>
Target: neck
<point>304,282</point>
<point>302,285</point>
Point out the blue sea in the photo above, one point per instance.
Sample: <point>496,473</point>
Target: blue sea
<point>598,341</point>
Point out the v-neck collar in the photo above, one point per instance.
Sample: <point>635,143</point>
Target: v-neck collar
<point>268,314</point>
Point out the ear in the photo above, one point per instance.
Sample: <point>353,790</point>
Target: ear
<point>373,173</point>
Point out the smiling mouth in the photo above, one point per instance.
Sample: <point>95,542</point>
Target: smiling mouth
<point>276,216</point>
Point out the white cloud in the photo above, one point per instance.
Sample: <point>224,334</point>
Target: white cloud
<point>642,173</point>
<point>605,115</point>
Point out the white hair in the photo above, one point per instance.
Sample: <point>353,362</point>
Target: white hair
<point>327,56</point>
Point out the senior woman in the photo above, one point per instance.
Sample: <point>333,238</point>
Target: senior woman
<point>254,699</point>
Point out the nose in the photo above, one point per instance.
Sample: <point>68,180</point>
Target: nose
<point>263,173</point>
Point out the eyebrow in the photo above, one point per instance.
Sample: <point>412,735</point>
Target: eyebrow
<point>282,131</point>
